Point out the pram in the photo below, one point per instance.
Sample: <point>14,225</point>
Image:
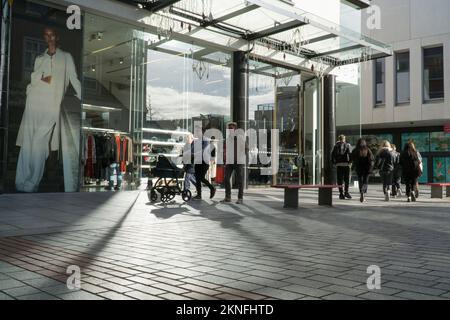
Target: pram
<point>167,183</point>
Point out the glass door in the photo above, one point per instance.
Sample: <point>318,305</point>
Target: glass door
<point>287,121</point>
<point>312,146</point>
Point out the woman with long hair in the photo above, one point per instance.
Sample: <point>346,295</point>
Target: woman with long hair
<point>363,161</point>
<point>410,161</point>
<point>385,162</point>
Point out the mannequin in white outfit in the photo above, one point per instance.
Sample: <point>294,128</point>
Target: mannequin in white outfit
<point>41,124</point>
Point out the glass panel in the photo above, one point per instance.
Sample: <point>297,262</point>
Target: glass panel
<point>420,139</point>
<point>380,81</point>
<point>287,122</point>
<point>183,91</point>
<point>113,93</point>
<point>375,141</point>
<point>348,102</point>
<point>433,73</point>
<point>345,22</point>
<point>311,128</point>
<point>258,20</point>
<point>440,169</point>
<point>260,117</point>
<point>180,47</point>
<point>440,141</point>
<point>403,80</point>
<point>448,169</point>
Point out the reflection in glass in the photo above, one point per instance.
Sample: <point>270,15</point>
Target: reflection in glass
<point>433,73</point>
<point>380,81</point>
<point>403,79</point>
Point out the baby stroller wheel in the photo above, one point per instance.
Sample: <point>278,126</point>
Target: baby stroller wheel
<point>186,195</point>
<point>153,196</point>
<point>164,197</point>
<point>170,196</point>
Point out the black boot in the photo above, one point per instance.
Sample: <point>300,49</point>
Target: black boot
<point>341,194</point>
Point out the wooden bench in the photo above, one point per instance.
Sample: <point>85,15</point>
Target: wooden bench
<point>437,190</point>
<point>291,194</point>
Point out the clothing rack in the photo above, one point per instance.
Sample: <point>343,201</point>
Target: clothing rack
<point>92,129</point>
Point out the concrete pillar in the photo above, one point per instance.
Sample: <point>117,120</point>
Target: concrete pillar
<point>239,89</point>
<point>329,127</point>
<point>239,96</point>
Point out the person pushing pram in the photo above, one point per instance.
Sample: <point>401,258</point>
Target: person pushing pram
<point>188,162</point>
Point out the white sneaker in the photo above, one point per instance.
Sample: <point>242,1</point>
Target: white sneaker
<point>409,199</point>
<point>386,196</point>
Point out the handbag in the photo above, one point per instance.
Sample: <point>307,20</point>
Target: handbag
<point>420,168</point>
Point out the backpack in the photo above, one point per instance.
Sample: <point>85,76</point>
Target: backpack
<point>342,154</point>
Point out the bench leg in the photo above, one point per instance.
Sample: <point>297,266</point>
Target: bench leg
<point>325,197</point>
<point>437,192</point>
<point>448,192</point>
<point>291,198</point>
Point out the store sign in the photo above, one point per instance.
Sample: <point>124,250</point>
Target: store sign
<point>447,128</point>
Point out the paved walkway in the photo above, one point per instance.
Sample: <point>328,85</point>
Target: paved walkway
<point>129,249</point>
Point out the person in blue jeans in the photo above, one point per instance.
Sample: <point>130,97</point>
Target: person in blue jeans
<point>113,171</point>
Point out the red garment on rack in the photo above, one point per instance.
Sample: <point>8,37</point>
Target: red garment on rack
<point>89,167</point>
<point>123,154</point>
<point>123,146</point>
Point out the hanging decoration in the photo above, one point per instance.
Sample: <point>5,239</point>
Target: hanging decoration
<point>201,69</point>
<point>287,79</point>
<point>319,69</point>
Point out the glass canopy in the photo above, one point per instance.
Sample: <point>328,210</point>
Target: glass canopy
<point>271,31</point>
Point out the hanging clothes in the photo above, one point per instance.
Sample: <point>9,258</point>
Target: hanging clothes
<point>91,156</point>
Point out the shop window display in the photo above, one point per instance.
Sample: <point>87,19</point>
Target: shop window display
<point>44,105</point>
<point>440,141</point>
<point>420,139</point>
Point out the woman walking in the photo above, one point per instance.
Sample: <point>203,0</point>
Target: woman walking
<point>410,160</point>
<point>363,161</point>
<point>385,161</point>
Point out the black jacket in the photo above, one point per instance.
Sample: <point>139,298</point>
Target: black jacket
<point>363,165</point>
<point>410,165</point>
<point>385,160</point>
<point>341,153</point>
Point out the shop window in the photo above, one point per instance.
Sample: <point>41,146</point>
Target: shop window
<point>420,139</point>
<point>441,169</point>
<point>376,141</point>
<point>402,77</point>
<point>433,73</point>
<point>440,141</point>
<point>380,81</point>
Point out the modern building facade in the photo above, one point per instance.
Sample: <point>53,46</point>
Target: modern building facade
<point>149,72</point>
<point>406,96</point>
